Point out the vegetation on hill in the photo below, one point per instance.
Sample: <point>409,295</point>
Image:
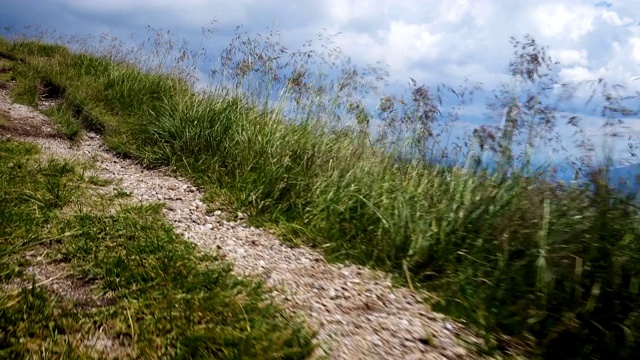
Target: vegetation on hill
<point>84,277</point>
<point>554,271</point>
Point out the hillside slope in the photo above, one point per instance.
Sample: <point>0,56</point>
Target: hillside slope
<point>537,268</point>
<point>357,312</point>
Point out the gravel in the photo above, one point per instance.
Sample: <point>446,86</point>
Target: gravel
<point>357,312</point>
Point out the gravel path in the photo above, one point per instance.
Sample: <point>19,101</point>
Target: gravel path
<point>358,314</point>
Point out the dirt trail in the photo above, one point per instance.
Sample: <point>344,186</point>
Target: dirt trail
<point>357,312</point>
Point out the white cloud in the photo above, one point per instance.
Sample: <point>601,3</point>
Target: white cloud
<point>614,18</point>
<point>569,57</point>
<point>634,43</point>
<point>410,42</point>
<point>341,12</point>
<point>453,11</point>
<point>576,74</point>
<point>557,19</point>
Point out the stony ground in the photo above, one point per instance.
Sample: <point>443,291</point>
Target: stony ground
<point>357,312</point>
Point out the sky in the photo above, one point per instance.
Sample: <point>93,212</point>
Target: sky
<point>441,41</point>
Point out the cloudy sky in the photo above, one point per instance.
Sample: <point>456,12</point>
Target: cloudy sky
<point>431,41</point>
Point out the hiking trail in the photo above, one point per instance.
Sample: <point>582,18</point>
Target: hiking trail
<point>357,312</point>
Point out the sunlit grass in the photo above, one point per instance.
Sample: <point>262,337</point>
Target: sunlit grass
<point>556,271</point>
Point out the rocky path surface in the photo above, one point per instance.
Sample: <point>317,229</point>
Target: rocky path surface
<point>356,311</point>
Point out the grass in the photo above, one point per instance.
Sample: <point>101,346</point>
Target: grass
<point>543,271</point>
<point>84,278</point>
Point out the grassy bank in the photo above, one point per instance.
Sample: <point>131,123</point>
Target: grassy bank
<point>83,278</point>
<point>555,272</point>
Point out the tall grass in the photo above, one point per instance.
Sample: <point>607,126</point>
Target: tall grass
<point>546,271</point>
